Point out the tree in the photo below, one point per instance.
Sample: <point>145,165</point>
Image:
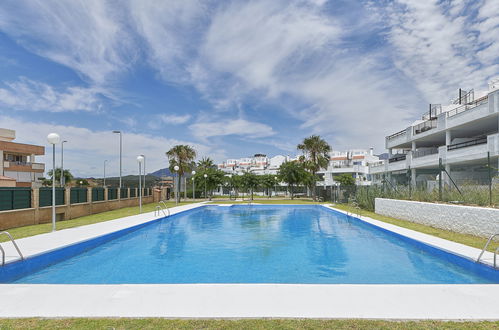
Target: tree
<point>206,163</point>
<point>316,157</point>
<point>268,181</point>
<point>345,179</point>
<point>293,173</point>
<point>214,178</point>
<point>81,182</point>
<point>182,156</point>
<point>67,175</point>
<point>250,181</point>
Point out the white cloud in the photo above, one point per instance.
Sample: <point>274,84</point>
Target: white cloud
<point>437,47</point>
<point>87,149</point>
<point>174,119</point>
<point>239,127</point>
<point>26,94</point>
<point>88,36</point>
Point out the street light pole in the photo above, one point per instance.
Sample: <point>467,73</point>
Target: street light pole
<point>62,178</point>
<point>177,190</point>
<point>53,139</point>
<point>205,182</point>
<point>275,192</point>
<point>121,150</point>
<point>144,171</point>
<point>105,161</point>
<point>193,186</point>
<point>140,159</point>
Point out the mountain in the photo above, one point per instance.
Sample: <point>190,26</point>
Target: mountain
<point>161,172</point>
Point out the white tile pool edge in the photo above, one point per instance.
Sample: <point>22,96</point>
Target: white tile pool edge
<point>446,302</point>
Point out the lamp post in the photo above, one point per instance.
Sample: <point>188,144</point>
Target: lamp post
<point>140,160</point>
<point>105,173</point>
<point>177,191</point>
<point>275,193</point>
<point>205,182</point>
<point>193,186</point>
<point>144,171</point>
<point>121,150</point>
<point>53,139</point>
<point>62,179</point>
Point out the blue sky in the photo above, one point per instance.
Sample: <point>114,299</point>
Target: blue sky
<point>233,78</point>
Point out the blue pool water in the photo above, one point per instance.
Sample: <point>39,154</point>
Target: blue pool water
<point>262,244</point>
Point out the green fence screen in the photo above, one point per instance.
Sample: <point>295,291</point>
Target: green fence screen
<point>97,194</point>
<point>45,196</point>
<point>124,193</point>
<point>15,198</point>
<point>78,195</point>
<point>112,193</point>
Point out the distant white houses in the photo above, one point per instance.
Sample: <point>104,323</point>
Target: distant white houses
<point>354,162</point>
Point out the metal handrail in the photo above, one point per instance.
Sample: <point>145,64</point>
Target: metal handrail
<point>158,208</point>
<point>163,208</point>
<point>485,247</point>
<point>15,245</point>
<point>495,256</point>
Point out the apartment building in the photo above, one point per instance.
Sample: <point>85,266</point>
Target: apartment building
<point>18,166</point>
<point>259,164</point>
<point>462,136</point>
<point>353,162</point>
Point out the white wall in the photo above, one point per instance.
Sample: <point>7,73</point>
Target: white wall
<point>478,221</point>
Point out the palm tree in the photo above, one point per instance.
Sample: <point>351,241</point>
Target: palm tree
<point>316,157</point>
<point>182,156</point>
<point>206,163</point>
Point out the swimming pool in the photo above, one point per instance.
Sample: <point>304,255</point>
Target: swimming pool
<point>255,244</point>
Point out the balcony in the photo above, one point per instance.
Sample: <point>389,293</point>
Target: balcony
<point>23,166</point>
<point>397,158</point>
<point>469,106</point>
<point>424,126</point>
<point>482,140</point>
<point>424,152</point>
<point>396,135</point>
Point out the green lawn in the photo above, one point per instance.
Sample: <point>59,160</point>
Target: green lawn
<point>26,231</point>
<point>466,239</point>
<point>157,323</point>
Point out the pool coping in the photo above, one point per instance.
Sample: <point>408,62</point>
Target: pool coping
<point>366,301</point>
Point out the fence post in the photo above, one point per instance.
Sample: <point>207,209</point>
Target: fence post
<point>490,178</point>
<point>106,192</point>
<point>67,200</point>
<point>440,179</point>
<point>35,204</point>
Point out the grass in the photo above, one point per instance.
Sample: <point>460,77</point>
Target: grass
<point>157,323</point>
<point>26,231</point>
<point>470,240</point>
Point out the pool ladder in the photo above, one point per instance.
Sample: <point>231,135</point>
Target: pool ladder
<point>161,207</point>
<point>485,248</point>
<point>15,245</point>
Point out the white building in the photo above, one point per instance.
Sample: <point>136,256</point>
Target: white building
<point>259,164</point>
<point>353,162</point>
<point>462,136</point>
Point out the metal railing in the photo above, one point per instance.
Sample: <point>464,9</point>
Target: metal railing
<point>485,248</point>
<point>397,158</point>
<point>424,152</point>
<point>466,107</point>
<point>424,126</point>
<point>471,143</point>
<point>162,207</point>
<point>395,135</point>
<point>15,245</point>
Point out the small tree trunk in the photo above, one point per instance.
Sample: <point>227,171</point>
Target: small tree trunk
<point>292,194</point>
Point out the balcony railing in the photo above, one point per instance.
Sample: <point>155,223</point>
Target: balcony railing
<point>471,143</point>
<point>424,152</point>
<point>425,126</point>
<point>397,158</point>
<point>466,107</point>
<point>393,136</point>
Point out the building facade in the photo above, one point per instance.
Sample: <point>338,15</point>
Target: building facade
<point>18,161</point>
<point>353,162</point>
<point>456,141</point>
